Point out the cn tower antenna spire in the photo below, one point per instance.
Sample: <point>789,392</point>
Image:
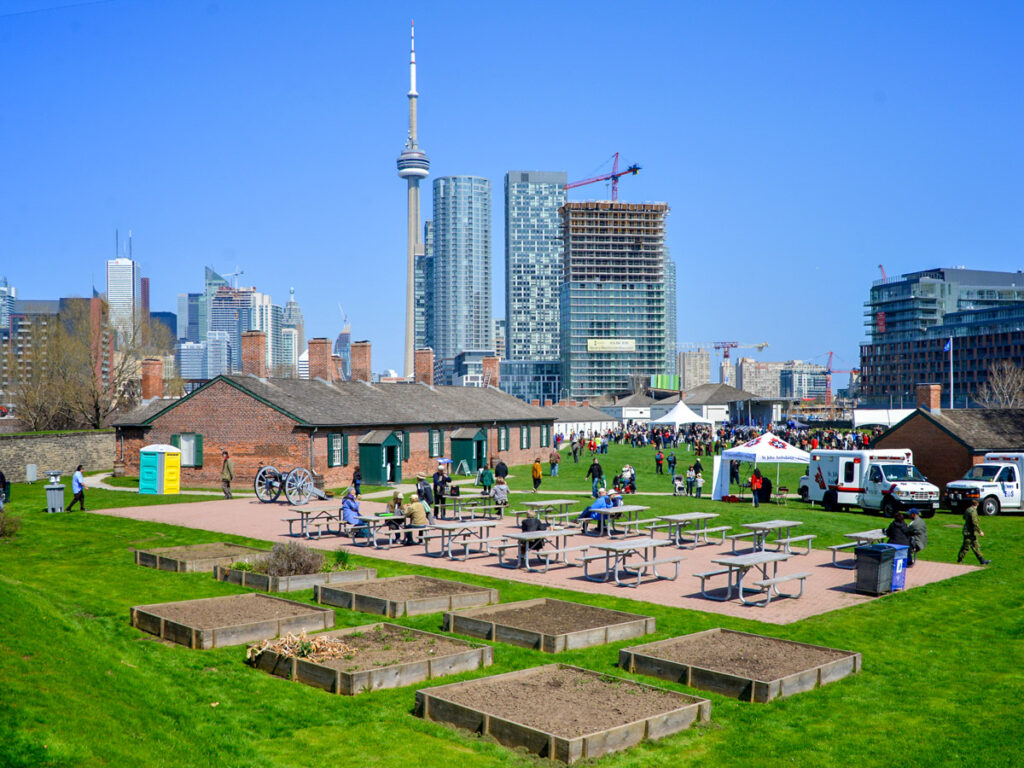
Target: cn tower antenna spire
<point>413,165</point>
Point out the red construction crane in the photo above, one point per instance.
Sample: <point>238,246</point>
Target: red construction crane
<point>883,272</point>
<point>828,378</point>
<point>614,176</point>
<point>725,346</point>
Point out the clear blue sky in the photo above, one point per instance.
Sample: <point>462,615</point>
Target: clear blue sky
<point>799,145</point>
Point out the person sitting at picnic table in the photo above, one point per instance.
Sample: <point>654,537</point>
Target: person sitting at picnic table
<point>597,509</point>
<point>396,509</point>
<point>350,514</point>
<point>487,479</point>
<point>530,524</point>
<point>898,531</point>
<point>918,533</point>
<point>415,518</point>
<point>500,493</point>
<point>616,498</point>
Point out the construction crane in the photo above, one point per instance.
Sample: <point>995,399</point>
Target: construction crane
<point>614,176</point>
<point>235,275</point>
<point>883,272</point>
<point>829,370</point>
<point>725,346</point>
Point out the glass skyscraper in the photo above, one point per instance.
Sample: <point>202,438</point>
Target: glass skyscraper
<point>124,296</point>
<point>533,263</point>
<point>424,284</point>
<point>460,298</point>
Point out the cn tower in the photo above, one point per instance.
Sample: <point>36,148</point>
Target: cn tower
<point>413,165</point>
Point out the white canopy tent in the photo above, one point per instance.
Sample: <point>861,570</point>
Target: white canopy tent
<point>681,414</point>
<point>766,448</point>
<point>885,416</point>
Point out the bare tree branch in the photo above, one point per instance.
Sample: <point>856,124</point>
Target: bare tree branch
<point>1004,388</point>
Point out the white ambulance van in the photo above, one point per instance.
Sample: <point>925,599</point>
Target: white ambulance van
<point>995,483</point>
<point>882,480</point>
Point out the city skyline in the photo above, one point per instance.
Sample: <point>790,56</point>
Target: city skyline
<point>799,148</point>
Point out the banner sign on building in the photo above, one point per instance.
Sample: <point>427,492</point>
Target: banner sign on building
<point>611,345</point>
<point>880,317</point>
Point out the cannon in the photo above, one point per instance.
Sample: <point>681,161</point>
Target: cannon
<point>296,485</point>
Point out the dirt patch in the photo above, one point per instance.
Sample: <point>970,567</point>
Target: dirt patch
<point>751,656</point>
<point>564,701</point>
<point>554,618</point>
<point>202,551</point>
<point>411,588</point>
<point>384,646</point>
<point>211,613</point>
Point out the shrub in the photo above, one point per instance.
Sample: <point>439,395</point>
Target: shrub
<point>9,525</point>
<point>340,561</point>
<point>242,565</point>
<point>291,559</point>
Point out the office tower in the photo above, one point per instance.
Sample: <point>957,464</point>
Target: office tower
<point>500,338</point>
<point>424,285</point>
<point>343,349</point>
<point>304,364</point>
<point>413,165</point>
<point>289,352</point>
<point>910,319</point>
<point>531,379</point>
<point>612,303</point>
<point>266,316</point>
<point>694,368</point>
<point>462,266</point>
<point>218,354</point>
<point>231,314</point>
<point>533,263</point>
<point>212,283</point>
<point>144,298</point>
<point>188,316</point>
<point>165,320</point>
<point>191,359</point>
<point>8,293</point>
<point>124,297</point>
<point>671,318</point>
<point>803,381</point>
<point>292,318</point>
<point>727,373</point>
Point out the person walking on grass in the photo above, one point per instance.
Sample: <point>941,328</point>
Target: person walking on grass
<point>755,487</point>
<point>595,473</point>
<point>227,474</point>
<point>78,488</point>
<point>538,474</point>
<point>699,483</point>
<point>487,479</point>
<point>553,458</point>
<point>659,462</point>
<point>971,531</point>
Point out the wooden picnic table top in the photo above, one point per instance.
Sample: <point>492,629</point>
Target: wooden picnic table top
<point>750,560</point>
<point>772,525</point>
<point>686,517</point>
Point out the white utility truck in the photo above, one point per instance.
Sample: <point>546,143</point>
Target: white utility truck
<point>882,480</point>
<point>995,483</point>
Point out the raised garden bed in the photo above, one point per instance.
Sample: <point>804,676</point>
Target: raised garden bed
<point>216,621</point>
<point>562,712</point>
<point>265,583</point>
<point>197,557</point>
<point>549,625</point>
<point>749,667</point>
<point>383,656</point>
<point>405,596</point>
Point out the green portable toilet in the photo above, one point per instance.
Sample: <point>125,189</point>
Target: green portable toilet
<point>160,469</point>
<point>380,457</point>
<point>469,450</point>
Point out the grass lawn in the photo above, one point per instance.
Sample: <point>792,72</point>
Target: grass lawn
<point>941,683</point>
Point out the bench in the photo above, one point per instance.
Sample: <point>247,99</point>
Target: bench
<point>837,548</point>
<point>769,584</point>
<point>426,538</point>
<point>652,526</point>
<point>697,534</point>
<point>807,540</point>
<point>705,575</point>
<point>641,569</point>
<point>734,537</point>
<point>586,560</point>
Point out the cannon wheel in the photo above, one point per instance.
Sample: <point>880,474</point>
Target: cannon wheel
<point>298,486</point>
<point>267,484</point>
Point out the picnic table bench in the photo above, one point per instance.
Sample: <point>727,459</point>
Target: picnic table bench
<point>859,538</point>
<point>736,566</point>
<point>318,517</point>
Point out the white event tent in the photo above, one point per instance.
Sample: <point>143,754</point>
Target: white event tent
<point>766,448</point>
<point>682,414</point>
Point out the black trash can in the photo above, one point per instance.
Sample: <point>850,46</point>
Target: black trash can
<point>874,569</point>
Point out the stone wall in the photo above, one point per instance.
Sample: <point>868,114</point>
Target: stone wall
<point>64,451</point>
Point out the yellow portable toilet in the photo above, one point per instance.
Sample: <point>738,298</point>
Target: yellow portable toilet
<point>160,469</point>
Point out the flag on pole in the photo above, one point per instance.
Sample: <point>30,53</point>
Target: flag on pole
<point>949,344</point>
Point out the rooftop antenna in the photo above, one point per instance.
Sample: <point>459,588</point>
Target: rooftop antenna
<point>129,243</point>
<point>117,244</point>
<point>344,317</point>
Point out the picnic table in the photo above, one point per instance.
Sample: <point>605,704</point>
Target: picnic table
<point>736,566</point>
<point>611,515</point>
<point>561,506</point>
<point>617,554</point>
<point>522,539</point>
<point>860,538</point>
<point>446,533</point>
<point>375,522</point>
<point>316,516</point>
<point>468,506</point>
<point>760,532</point>
<point>678,523</point>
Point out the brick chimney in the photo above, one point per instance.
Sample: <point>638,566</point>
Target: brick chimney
<point>254,353</point>
<point>338,365</point>
<point>547,403</point>
<point>320,359</point>
<point>424,366</point>
<point>361,367</point>
<point>929,397</point>
<point>535,402</point>
<point>492,370</point>
<point>152,378</point>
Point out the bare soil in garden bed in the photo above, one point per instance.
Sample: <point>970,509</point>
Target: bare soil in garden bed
<point>227,611</point>
<point>555,618</point>
<point>758,658</point>
<point>564,701</point>
<point>202,551</point>
<point>385,646</point>
<point>411,588</point>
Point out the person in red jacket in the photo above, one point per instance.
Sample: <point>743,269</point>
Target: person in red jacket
<point>755,486</point>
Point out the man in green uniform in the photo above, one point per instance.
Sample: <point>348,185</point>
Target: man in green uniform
<point>972,531</point>
<point>227,474</point>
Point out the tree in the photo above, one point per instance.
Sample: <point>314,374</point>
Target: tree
<point>1004,387</point>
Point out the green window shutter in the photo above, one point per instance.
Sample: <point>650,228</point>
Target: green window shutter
<point>504,434</point>
<point>406,439</point>
<point>440,443</point>
<point>176,441</point>
<point>430,443</point>
<point>529,438</point>
<point>344,450</point>
<point>199,451</point>
<point>331,438</point>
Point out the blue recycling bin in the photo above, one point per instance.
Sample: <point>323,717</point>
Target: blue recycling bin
<point>899,565</point>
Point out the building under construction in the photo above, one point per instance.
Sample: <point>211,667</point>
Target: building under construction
<point>617,314</point>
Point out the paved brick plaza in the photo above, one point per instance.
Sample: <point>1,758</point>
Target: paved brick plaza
<point>827,588</point>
